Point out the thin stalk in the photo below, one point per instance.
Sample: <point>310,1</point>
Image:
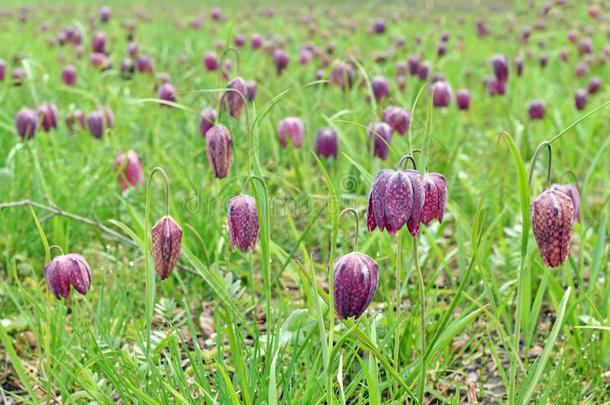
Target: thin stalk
<point>398,302</point>
<point>422,310</point>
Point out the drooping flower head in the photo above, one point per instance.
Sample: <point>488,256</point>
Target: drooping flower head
<point>462,99</point>
<point>48,116</point>
<point>441,94</point>
<point>571,191</point>
<point>233,101</point>
<point>326,143</point>
<point>290,128</point>
<point>398,118</point>
<point>242,223</point>
<point>166,236</point>
<point>26,121</point>
<point>129,169</point>
<point>381,133</point>
<point>207,120</point>
<point>65,271</point>
<point>552,215</point>
<point>356,277</point>
<point>219,147</point>
<point>435,187</point>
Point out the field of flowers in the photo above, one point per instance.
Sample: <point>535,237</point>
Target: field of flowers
<point>304,202</point>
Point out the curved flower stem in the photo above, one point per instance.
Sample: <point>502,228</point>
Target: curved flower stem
<point>56,247</point>
<point>422,308</point>
<point>157,169</point>
<point>353,211</point>
<point>224,54</point>
<point>409,156</point>
<point>533,164</point>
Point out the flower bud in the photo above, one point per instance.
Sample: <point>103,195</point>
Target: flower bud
<point>167,92</point>
<point>580,99</point>
<point>210,61</point>
<point>233,100</point>
<point>219,145</point>
<point>381,133</point>
<point>166,236</point>
<point>48,114</point>
<point>98,43</point>
<point>129,169</point>
<point>356,277</point>
<point>65,271</point>
<point>571,191</point>
<point>207,121</point>
<point>462,99</point>
<point>95,123</point>
<point>26,121</point>
<point>242,223</point>
<point>380,87</point>
<point>326,143</point>
<point>280,59</point>
<point>500,66</point>
<point>441,94</point>
<point>552,214</point>
<point>594,85</point>
<point>239,41</point>
<point>291,127</point>
<point>536,110</point>
<point>398,118</point>
<point>105,13</point>
<point>435,187</point>
<point>68,75</point>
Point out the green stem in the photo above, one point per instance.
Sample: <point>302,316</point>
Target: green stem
<point>398,302</point>
<point>422,310</point>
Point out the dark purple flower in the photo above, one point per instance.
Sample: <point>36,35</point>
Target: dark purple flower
<point>482,28</point>
<point>441,94</point>
<point>73,118</point>
<point>536,110</point>
<point>380,87</point>
<point>435,199</point>
<point>207,120</point>
<point>65,271</point>
<point>290,127</point>
<point>519,65</point>
<point>105,13</point>
<point>327,144</point>
<point>166,236</point>
<point>242,223</point>
<point>356,277</point>
<point>239,41</point>
<point>543,60</point>
<point>235,101</point>
<point>342,76</point>
<point>594,85</point>
<point>398,118</point>
<point>423,70</point>
<point>256,41</point>
<point>462,98</point>
<point>500,66</point>
<point>305,56</point>
<point>129,170</point>
<point>68,75</point>
<point>144,64</point>
<point>2,69</point>
<point>219,146</point>
<point>26,121</point>
<point>95,123</point>
<point>580,99</point>
<point>381,133</point>
<point>280,59</point>
<point>552,215</point>
<point>250,90</point>
<point>441,50</point>
<point>571,191</point>
<point>48,116</point>
<point>210,61</point>
<point>379,26</point>
<point>98,42</point>
<point>413,62</point>
<point>167,92</point>
<point>100,61</point>
<point>133,50</point>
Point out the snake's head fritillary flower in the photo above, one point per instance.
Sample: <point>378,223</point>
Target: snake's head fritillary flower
<point>342,76</point>
<point>100,61</point>
<point>127,68</point>
<point>290,127</point>
<point>207,120</point>
<point>441,50</point>
<point>73,118</point>
<point>256,41</point>
<point>379,26</point>
<point>585,46</point>
<point>239,41</point>
<point>398,118</point>
<point>144,64</point>
<point>418,193</point>
<point>381,133</point>
<point>210,61</point>
<point>233,100</point>
<point>462,98</point>
<point>242,223</point>
<point>356,277</point>
<point>423,70</point>
<point>327,144</point>
<point>552,215</point>
<point>594,84</point>
<point>305,56</point>
<point>250,90</point>
<point>441,94</point>
<point>96,124</point>
<point>280,59</point>
<point>536,110</point>
<point>65,271</point>
<point>571,191</point>
<point>68,75</point>
<point>133,50</point>
<point>413,62</point>
<point>380,87</point>
<point>167,92</point>
<point>435,187</point>
<point>166,236</point>
<point>219,147</point>
<point>105,12</point>
<point>129,169</point>
<point>580,99</point>
<point>500,67</point>
<point>26,121</point>
<point>216,14</point>
<point>48,116</point>
<point>98,42</point>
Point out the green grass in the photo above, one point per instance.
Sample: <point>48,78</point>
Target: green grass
<point>230,327</point>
